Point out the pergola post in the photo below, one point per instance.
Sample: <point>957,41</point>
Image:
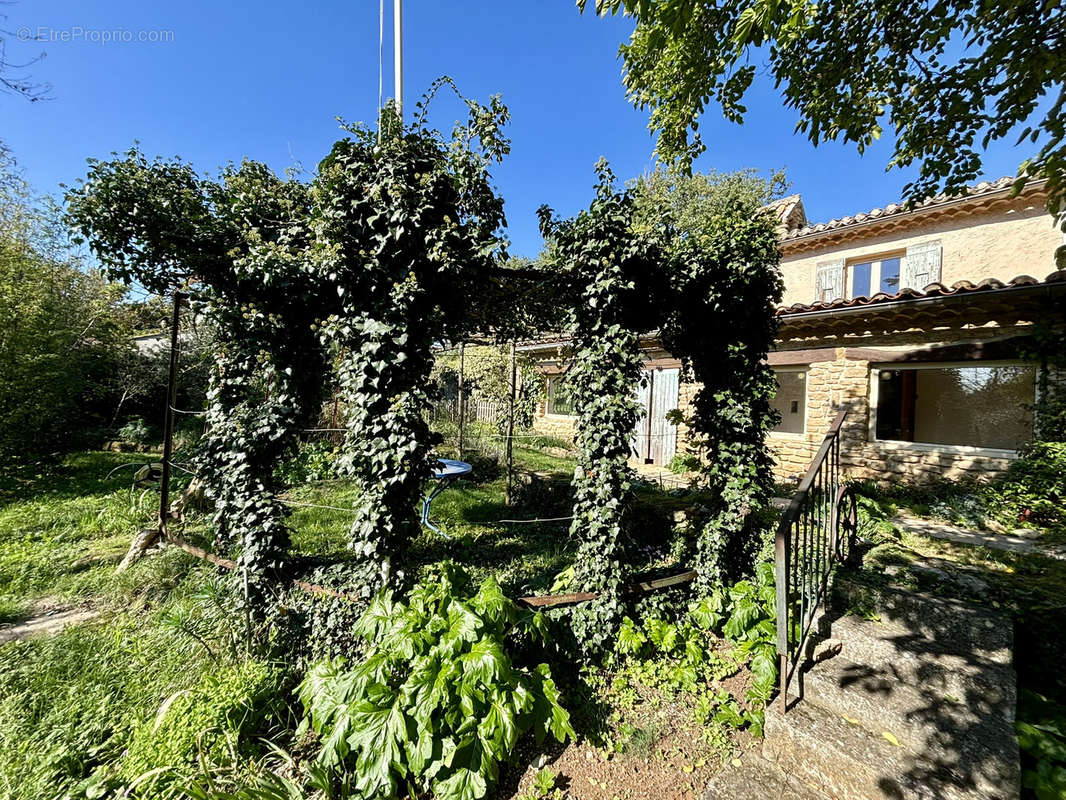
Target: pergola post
<point>461,402</point>
<point>148,536</point>
<point>510,425</point>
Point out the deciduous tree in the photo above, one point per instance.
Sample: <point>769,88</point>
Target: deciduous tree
<point>946,78</point>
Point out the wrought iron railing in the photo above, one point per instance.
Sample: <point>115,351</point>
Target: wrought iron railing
<point>815,532</point>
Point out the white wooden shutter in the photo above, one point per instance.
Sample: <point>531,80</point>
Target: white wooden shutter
<point>921,267</point>
<point>829,281</point>
<point>664,433</point>
<point>639,440</point>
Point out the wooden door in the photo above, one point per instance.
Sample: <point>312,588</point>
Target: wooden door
<point>655,439</point>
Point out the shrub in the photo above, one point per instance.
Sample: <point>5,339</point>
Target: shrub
<point>1034,487</point>
<point>135,431</point>
<point>438,703</point>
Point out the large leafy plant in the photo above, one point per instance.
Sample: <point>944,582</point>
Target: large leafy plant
<point>746,614</point>
<point>438,701</point>
<point>679,654</point>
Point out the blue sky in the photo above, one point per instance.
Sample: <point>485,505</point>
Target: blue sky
<point>266,80</point>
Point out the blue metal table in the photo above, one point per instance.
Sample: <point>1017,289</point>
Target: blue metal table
<point>446,472</point>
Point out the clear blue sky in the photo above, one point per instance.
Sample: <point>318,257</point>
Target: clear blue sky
<point>265,80</point>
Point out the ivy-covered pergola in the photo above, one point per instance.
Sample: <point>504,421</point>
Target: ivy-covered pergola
<point>395,246</point>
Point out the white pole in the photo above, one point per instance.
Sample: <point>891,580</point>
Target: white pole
<point>397,30</point>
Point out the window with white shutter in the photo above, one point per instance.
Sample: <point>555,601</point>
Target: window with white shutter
<point>829,281</point>
<point>921,267</point>
<point>878,274</point>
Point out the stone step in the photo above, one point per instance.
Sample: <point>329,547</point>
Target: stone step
<point>956,627</point>
<point>919,717</point>
<point>848,762</point>
<point>923,662</point>
<point>755,778</point>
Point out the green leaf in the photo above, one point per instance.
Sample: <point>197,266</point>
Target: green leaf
<point>463,784</point>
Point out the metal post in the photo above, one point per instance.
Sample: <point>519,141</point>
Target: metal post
<point>334,434</point>
<point>397,31</point>
<point>510,425</point>
<point>168,420</point>
<point>461,399</point>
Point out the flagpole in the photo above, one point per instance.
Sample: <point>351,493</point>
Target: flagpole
<point>398,53</point>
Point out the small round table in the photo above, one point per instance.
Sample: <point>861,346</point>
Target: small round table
<point>446,472</point>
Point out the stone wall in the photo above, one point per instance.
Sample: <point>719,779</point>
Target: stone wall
<point>831,385</point>
<point>845,379</point>
<point>561,427</point>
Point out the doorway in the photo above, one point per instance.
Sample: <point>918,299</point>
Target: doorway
<point>655,439</point>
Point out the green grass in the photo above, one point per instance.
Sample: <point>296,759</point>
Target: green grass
<point>64,527</point>
<point>73,703</point>
<point>98,703</point>
<point>524,558</point>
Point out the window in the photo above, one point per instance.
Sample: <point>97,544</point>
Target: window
<point>559,401</point>
<point>791,400</point>
<point>978,406</point>
<point>867,278</point>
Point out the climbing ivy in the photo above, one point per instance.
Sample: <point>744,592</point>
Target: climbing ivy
<point>724,286</point>
<point>237,246</point>
<point>611,271</point>
<point>406,225</point>
<point>379,258</point>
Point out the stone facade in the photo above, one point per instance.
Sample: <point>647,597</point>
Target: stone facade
<point>995,237</point>
<point>845,381</point>
<point>989,235</point>
<point>557,425</point>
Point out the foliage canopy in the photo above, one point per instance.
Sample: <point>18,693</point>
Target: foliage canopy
<point>373,262</point>
<point>947,78</point>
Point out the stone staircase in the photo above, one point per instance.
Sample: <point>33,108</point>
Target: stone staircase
<point>916,699</point>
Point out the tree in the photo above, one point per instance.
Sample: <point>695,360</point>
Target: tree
<point>13,78</point>
<point>696,202</point>
<point>947,78</point>
<point>61,329</point>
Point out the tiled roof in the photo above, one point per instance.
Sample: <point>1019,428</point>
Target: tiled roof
<point>895,209</point>
<point>932,290</point>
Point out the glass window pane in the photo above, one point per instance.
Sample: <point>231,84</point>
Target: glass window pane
<point>860,280</point>
<point>889,276</point>
<point>791,400</point>
<point>559,400</point>
<point>975,406</point>
<point>890,405</point>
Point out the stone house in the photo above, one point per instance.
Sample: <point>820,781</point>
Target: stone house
<point>919,320</point>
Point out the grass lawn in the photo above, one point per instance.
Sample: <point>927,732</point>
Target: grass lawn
<point>131,692</point>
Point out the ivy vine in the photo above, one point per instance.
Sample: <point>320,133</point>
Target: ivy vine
<point>608,267</point>
<point>237,246</point>
<point>407,226</point>
<point>724,287</point>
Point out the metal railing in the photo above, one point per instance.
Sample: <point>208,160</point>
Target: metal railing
<point>815,532</point>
